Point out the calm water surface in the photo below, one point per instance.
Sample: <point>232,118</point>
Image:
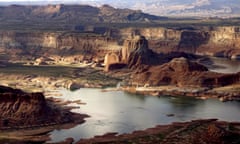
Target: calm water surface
<point>222,65</point>
<point>122,112</point>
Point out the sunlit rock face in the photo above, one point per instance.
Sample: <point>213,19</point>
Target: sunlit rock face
<point>182,72</point>
<point>19,45</point>
<point>137,44</point>
<point>215,41</point>
<point>134,52</point>
<point>110,59</point>
<point>19,109</point>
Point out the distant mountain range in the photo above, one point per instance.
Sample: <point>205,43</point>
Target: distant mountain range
<point>71,14</point>
<point>206,8</point>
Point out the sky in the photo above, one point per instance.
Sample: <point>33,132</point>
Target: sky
<point>42,0</point>
<point>47,1</point>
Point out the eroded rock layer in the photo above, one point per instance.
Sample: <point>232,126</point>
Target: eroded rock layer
<point>21,110</point>
<point>183,72</point>
<point>216,41</point>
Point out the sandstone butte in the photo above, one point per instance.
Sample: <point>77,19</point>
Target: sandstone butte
<point>222,41</point>
<point>177,69</point>
<point>20,110</point>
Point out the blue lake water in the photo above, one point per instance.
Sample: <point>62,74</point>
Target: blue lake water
<point>122,112</point>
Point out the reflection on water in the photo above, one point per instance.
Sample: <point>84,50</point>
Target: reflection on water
<point>122,112</point>
<point>221,65</point>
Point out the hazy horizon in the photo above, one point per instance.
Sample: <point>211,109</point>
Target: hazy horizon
<point>205,8</point>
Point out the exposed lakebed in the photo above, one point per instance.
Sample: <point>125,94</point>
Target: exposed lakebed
<point>117,111</point>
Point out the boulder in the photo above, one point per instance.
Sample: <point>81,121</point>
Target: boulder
<point>73,86</point>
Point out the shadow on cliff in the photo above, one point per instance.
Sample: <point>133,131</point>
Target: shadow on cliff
<point>150,58</point>
<point>191,40</point>
<point>138,55</point>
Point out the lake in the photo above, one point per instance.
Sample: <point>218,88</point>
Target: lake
<point>221,65</point>
<point>121,112</point>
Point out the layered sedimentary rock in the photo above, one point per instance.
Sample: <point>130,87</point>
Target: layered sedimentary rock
<point>110,59</point>
<point>135,52</point>
<point>183,72</point>
<point>19,110</point>
<point>216,41</point>
<point>19,45</point>
<point>135,44</point>
<point>137,55</point>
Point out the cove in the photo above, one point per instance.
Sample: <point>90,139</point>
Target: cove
<point>121,112</point>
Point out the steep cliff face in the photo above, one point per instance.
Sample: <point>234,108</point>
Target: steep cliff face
<point>137,43</point>
<point>110,59</point>
<point>182,72</point>
<point>218,41</point>
<point>136,52</point>
<point>36,44</point>
<point>223,41</point>
<point>19,109</point>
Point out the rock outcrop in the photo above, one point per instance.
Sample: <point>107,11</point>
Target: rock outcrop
<point>60,45</point>
<point>215,41</point>
<point>74,13</point>
<point>63,46</point>
<point>183,72</point>
<point>136,53</point>
<point>137,44</point>
<point>23,110</point>
<point>110,59</point>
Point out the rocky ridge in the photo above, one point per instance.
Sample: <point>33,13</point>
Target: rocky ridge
<point>74,13</point>
<point>214,41</point>
<point>21,110</point>
<point>73,47</point>
<point>183,72</point>
<point>175,73</point>
<point>186,8</point>
<point>199,8</point>
<point>158,69</point>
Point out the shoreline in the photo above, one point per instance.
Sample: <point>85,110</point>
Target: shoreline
<point>222,93</point>
<point>40,132</point>
<point>168,133</point>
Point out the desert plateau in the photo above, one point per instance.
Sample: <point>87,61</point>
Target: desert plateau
<point>118,72</point>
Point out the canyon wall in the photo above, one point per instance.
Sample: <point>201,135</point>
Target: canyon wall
<point>23,110</point>
<point>38,44</point>
<point>215,41</point>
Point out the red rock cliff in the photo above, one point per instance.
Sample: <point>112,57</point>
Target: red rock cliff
<point>19,109</point>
